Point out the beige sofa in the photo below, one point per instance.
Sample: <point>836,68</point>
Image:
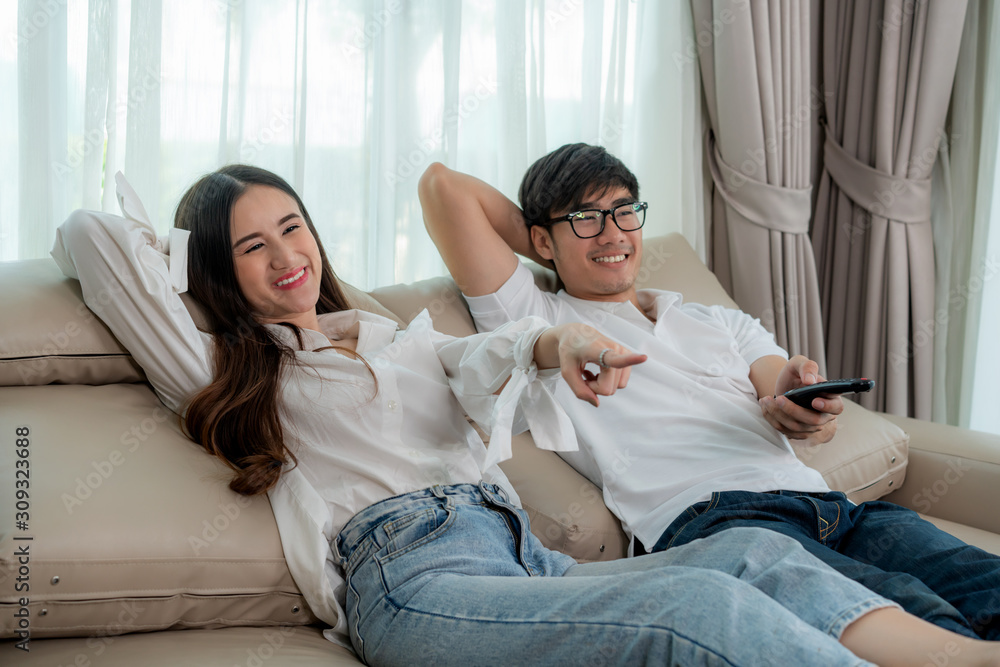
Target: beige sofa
<point>133,551</point>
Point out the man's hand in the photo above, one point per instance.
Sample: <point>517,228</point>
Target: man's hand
<point>572,347</point>
<point>818,425</point>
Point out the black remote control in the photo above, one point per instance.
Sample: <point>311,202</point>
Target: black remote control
<point>804,395</point>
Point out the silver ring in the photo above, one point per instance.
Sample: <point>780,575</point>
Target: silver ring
<point>600,359</point>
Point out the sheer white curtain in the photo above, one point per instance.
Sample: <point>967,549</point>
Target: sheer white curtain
<point>349,100</point>
<point>966,224</point>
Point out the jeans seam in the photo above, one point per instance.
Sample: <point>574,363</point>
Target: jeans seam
<point>495,621</point>
<point>516,527</point>
<point>824,528</point>
<point>357,616</point>
<point>515,541</point>
<point>831,527</point>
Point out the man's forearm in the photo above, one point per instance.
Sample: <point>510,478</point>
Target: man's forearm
<point>503,215</point>
<point>764,374</point>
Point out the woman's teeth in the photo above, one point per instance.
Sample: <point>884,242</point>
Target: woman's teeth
<point>292,279</point>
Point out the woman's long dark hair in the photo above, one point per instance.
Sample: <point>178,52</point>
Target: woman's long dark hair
<point>236,416</point>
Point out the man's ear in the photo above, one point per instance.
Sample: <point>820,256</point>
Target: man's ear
<point>542,241</point>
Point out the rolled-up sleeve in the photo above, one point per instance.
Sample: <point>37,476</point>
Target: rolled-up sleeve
<point>477,367</point>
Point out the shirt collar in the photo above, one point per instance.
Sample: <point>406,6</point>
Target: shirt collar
<point>653,302</point>
<point>372,331</point>
<point>656,302</point>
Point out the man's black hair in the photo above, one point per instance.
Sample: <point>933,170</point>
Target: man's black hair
<point>560,180</point>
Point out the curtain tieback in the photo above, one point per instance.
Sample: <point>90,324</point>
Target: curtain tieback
<point>780,209</point>
<point>879,193</point>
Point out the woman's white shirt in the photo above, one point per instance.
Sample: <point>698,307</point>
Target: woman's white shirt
<point>361,433</point>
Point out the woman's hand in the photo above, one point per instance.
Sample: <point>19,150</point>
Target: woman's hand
<point>817,425</point>
<point>571,347</point>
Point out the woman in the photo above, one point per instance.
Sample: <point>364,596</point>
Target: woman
<point>357,432</point>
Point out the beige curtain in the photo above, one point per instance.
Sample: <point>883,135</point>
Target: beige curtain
<point>888,69</point>
<point>755,65</point>
<point>966,359</point>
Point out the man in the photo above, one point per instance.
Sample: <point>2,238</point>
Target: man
<point>699,441</point>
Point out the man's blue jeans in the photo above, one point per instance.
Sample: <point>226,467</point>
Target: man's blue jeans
<point>888,548</point>
<point>452,576</point>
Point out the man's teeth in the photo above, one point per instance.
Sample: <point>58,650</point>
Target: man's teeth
<point>298,275</point>
<point>611,258</point>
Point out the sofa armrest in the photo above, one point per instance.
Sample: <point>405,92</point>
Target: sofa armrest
<point>951,472</point>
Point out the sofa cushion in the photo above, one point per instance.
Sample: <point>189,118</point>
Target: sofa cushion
<point>132,526</point>
<point>439,296</point>
<point>866,459</point>
<point>247,647</point>
<point>49,334</point>
<point>566,510</point>
<point>51,337</point>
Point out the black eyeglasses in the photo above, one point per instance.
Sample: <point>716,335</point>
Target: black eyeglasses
<point>590,222</point>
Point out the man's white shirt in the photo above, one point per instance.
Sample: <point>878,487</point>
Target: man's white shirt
<point>687,425</point>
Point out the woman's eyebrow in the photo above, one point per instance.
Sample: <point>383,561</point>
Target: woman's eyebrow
<point>256,234</point>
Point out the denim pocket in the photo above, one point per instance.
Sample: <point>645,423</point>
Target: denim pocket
<point>674,535</point>
<point>414,530</point>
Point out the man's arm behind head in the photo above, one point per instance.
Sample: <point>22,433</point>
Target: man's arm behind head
<point>475,227</point>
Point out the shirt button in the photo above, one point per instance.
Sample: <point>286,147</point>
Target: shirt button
<point>392,405</point>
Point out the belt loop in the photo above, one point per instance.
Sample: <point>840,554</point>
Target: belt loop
<point>438,491</point>
<point>493,492</point>
<point>502,492</point>
<point>335,547</point>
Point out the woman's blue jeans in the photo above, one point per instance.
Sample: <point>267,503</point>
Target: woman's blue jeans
<point>452,575</point>
<point>887,548</point>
